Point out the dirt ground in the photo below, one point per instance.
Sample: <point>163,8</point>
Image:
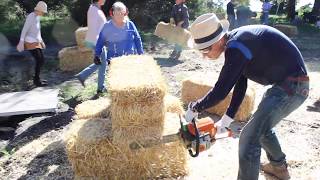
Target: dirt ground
<point>35,149</point>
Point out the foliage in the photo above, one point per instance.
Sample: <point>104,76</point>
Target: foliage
<point>304,9</point>
<point>9,10</point>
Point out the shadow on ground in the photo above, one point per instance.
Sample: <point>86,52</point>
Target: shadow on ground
<point>51,163</point>
<point>166,62</point>
<point>34,127</point>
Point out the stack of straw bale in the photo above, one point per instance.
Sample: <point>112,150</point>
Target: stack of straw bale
<point>172,33</point>
<point>77,57</point>
<point>80,38</point>
<point>98,147</point>
<point>138,112</point>
<point>98,108</point>
<point>288,30</point>
<point>198,86</point>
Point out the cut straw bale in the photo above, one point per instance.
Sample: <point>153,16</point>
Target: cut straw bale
<point>99,108</point>
<point>173,104</point>
<point>172,33</point>
<point>198,86</point>
<point>89,148</point>
<point>71,59</point>
<point>137,89</point>
<point>80,38</point>
<point>288,30</point>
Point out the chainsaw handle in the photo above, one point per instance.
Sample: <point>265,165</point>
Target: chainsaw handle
<point>197,140</point>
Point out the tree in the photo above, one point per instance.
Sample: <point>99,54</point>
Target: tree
<point>316,8</point>
<point>291,9</point>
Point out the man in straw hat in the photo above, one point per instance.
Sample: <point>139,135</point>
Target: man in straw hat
<point>31,40</point>
<point>266,56</point>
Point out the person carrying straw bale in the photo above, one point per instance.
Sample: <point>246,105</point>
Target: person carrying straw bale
<point>180,18</point>
<point>31,40</point>
<point>120,37</point>
<point>266,56</point>
<point>96,19</point>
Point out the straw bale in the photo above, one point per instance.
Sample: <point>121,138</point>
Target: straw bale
<point>197,86</point>
<point>99,108</point>
<point>80,38</point>
<point>288,30</point>
<point>172,33</point>
<point>173,104</point>
<point>137,89</point>
<point>71,59</point>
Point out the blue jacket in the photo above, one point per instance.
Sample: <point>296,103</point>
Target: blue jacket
<point>119,41</point>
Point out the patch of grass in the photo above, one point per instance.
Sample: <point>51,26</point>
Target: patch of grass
<point>74,94</point>
<point>6,152</point>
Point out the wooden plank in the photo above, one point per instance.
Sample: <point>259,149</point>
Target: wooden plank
<point>38,100</point>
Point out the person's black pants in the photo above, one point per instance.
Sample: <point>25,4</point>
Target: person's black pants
<point>39,59</point>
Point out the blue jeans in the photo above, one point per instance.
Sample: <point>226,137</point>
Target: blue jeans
<point>84,74</point>
<point>276,104</point>
<point>265,18</point>
<point>232,20</point>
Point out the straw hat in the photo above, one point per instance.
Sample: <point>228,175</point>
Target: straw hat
<point>206,30</point>
<point>41,6</point>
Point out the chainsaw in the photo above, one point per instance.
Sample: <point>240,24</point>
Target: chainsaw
<point>197,136</point>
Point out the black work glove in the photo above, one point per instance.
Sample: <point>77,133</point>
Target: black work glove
<point>97,60</point>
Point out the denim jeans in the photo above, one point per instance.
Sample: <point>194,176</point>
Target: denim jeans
<point>232,21</point>
<point>84,74</point>
<point>276,104</point>
<point>265,18</point>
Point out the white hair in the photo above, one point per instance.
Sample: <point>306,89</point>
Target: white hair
<point>119,6</point>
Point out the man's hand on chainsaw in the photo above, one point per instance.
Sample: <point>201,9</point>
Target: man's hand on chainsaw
<point>191,113</point>
<point>223,124</point>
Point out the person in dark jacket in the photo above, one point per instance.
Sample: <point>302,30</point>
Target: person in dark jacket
<point>262,54</point>
<point>231,15</point>
<point>180,18</point>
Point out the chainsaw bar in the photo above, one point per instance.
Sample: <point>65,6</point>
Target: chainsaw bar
<point>150,143</point>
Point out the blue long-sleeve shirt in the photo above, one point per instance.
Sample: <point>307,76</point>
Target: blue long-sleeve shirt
<point>259,53</point>
<point>119,41</point>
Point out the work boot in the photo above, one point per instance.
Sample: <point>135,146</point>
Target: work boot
<point>80,80</point>
<point>280,172</point>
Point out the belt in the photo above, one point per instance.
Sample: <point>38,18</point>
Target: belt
<point>303,78</point>
<point>290,91</point>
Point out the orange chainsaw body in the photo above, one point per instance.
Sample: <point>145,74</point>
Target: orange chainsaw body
<point>204,125</point>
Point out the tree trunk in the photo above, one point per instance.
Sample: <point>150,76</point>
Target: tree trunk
<point>316,8</point>
<point>291,9</point>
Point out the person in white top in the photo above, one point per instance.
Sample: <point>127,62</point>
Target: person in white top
<point>30,39</point>
<point>96,20</point>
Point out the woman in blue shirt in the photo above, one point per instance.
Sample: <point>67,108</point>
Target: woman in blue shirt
<point>120,36</point>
